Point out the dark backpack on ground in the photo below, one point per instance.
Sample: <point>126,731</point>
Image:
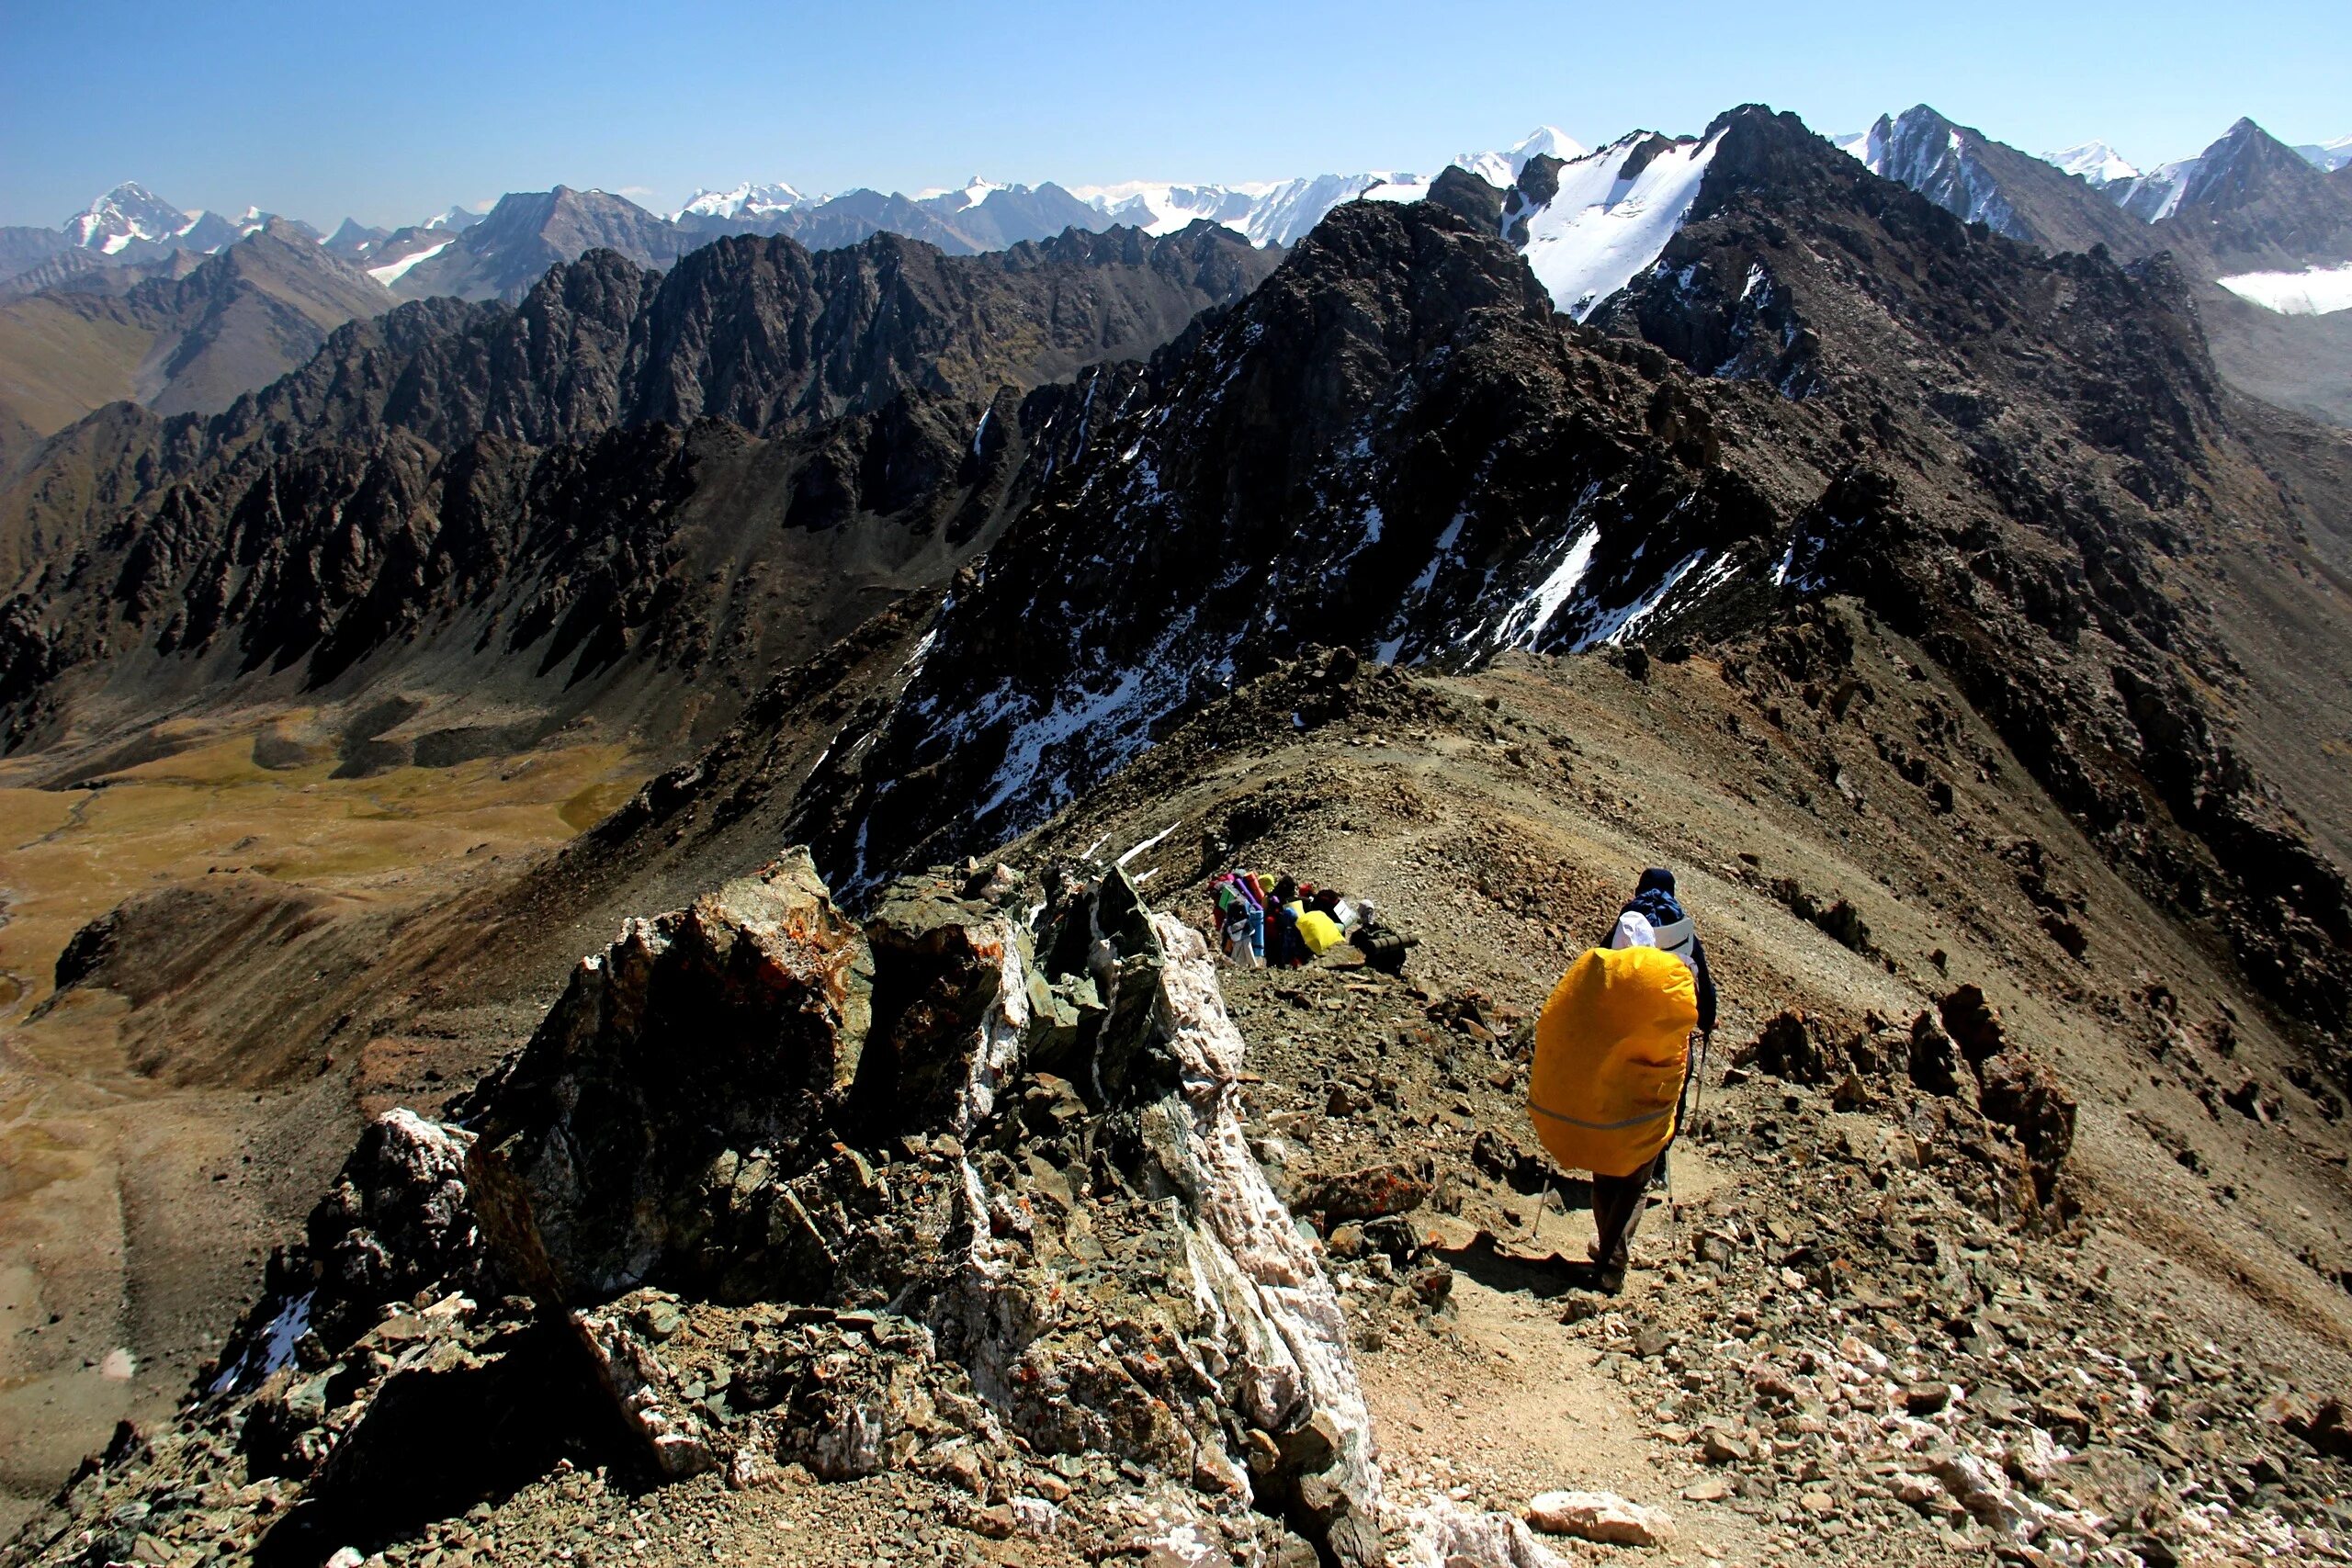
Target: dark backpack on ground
<point>1382,948</point>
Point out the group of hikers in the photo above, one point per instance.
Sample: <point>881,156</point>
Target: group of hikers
<point>1279,922</point>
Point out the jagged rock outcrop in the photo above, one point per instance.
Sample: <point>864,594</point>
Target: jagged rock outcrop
<point>568,480</point>
<point>769,1186</point>
<point>645,1133</point>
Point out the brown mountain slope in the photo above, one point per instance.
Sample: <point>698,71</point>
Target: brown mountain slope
<point>189,343</point>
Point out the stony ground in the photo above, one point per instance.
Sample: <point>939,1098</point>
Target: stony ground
<point>1863,1332</point>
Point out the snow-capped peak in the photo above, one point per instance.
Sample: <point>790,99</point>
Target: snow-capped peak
<point>1503,168</point>
<point>1544,141</point>
<point>457,218</point>
<point>975,191</point>
<point>746,200</point>
<point>2098,165</point>
<point>129,211</point>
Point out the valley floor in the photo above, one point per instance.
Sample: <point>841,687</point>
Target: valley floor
<point>156,1139</point>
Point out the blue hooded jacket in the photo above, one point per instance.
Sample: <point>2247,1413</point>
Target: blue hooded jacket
<point>1655,901</point>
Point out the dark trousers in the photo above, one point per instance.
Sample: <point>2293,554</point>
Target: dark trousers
<point>1617,1205</point>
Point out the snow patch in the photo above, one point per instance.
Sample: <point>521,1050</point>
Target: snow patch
<point>2315,291</point>
<point>1613,629</point>
<point>1604,227</point>
<point>393,272</point>
<point>1147,843</point>
<point>275,1350</point>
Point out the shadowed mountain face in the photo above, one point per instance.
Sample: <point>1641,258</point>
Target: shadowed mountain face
<point>23,247</point>
<point>525,234</point>
<point>1827,384</point>
<point>2253,201</point>
<point>627,471</point>
<point>1977,179</point>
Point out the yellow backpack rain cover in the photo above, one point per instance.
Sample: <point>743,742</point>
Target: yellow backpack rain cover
<point>1611,1050</point>
<point>1318,930</point>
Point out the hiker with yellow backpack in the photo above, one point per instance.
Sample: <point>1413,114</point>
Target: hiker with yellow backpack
<point>1612,1060</point>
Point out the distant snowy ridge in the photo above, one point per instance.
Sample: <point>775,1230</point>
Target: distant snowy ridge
<point>2315,291</point>
<point>2098,165</point>
<point>970,194</point>
<point>749,199</point>
<point>1281,212</point>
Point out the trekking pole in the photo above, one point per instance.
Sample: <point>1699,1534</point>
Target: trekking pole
<point>1698,1100</point>
<point>1542,1200</point>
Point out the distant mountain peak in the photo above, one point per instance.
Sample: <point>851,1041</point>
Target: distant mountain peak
<point>2097,165</point>
<point>749,199</point>
<point>129,212</point>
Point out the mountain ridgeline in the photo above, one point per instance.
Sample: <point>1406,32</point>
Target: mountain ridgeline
<point>634,495</point>
<point>544,474</point>
<point>1827,384</point>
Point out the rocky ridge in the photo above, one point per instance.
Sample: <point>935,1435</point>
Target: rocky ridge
<point>440,462</point>
<point>1393,445</point>
<point>970,1213</point>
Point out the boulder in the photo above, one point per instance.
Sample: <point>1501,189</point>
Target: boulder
<point>2019,1092</point>
<point>1367,1194</point>
<point>1600,1516</point>
<point>397,1224</point>
<point>1970,1020</point>
<point>1793,1046</point>
<point>699,1055</point>
<point>1444,1535</point>
<point>1935,1063</point>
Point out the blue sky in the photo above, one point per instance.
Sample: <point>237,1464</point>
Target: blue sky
<point>393,111</point>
